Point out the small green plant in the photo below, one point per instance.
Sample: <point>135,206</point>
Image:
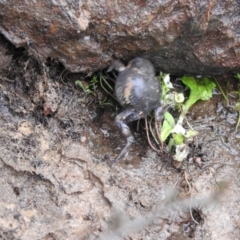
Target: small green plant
<point>108,89</point>
<point>104,102</point>
<point>237,76</point>
<point>91,88</point>
<point>200,89</point>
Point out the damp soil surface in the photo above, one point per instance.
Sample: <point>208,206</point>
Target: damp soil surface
<point>56,183</point>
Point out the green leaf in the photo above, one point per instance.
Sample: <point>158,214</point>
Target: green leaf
<point>237,76</point>
<point>79,84</point>
<point>191,133</point>
<point>171,143</point>
<point>167,127</point>
<point>178,138</point>
<point>200,89</point>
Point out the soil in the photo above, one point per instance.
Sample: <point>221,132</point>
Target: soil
<point>56,183</point>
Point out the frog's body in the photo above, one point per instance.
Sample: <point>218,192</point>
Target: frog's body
<point>139,92</point>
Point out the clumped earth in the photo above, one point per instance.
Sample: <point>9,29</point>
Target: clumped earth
<point>55,181</point>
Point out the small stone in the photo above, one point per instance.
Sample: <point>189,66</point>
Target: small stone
<point>144,202</point>
<point>83,139</point>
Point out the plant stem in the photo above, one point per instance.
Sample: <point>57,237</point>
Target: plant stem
<point>221,90</point>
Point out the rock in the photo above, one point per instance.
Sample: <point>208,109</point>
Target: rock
<point>200,37</point>
<point>75,151</point>
<point>5,59</point>
<point>25,128</point>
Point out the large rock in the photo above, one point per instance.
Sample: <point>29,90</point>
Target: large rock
<point>178,36</point>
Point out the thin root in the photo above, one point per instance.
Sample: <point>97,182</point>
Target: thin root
<point>149,141</point>
<point>158,135</point>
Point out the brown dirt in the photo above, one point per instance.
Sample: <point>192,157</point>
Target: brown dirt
<point>56,184</point>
